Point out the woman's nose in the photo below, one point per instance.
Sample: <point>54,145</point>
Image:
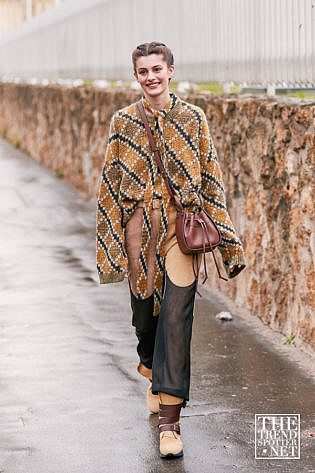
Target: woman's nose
<point>150,75</point>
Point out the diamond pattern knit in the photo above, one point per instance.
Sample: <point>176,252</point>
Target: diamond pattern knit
<point>130,175</point>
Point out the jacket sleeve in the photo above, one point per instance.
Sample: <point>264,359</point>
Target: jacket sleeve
<point>110,254</point>
<point>213,192</point>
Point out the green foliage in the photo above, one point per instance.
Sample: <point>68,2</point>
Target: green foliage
<point>119,84</point>
<point>212,87</point>
<point>59,174</point>
<point>16,143</point>
<point>216,88</point>
<point>235,89</point>
<point>173,86</point>
<point>301,95</point>
<point>288,340</point>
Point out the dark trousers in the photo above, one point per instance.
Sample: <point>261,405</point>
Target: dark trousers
<point>164,341</point>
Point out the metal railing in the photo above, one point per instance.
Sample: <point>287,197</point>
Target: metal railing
<point>253,41</point>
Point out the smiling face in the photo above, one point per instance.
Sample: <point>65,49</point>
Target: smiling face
<point>153,74</point>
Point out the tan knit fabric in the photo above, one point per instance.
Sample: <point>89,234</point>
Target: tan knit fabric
<point>130,175</point>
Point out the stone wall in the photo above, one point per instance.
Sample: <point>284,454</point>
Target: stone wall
<point>267,153</point>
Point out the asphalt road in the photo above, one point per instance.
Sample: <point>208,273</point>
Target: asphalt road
<point>71,400</point>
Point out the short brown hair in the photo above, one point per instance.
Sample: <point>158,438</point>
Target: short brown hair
<point>154,47</point>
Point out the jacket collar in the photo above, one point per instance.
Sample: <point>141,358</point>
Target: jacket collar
<point>173,104</point>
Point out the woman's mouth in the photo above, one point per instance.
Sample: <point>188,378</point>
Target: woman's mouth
<point>153,85</point>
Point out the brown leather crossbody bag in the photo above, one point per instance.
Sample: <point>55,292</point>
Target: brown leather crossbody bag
<point>196,232</point>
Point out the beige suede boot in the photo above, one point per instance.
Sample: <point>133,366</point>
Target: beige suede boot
<point>171,445</point>
<point>152,399</point>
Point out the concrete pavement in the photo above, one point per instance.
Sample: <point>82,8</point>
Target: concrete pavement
<point>71,400</point>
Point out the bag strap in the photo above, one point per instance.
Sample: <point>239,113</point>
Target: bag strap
<point>157,157</point>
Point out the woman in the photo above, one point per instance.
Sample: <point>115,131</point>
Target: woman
<point>136,229</point>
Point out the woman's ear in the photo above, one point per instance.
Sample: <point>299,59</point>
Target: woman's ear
<point>171,70</point>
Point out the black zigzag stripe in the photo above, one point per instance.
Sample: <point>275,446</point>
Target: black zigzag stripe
<point>112,138</point>
<point>214,202</point>
<point>164,223</point>
<point>163,217</point>
<point>128,211</point>
<point>191,109</point>
<point>179,163</point>
<point>132,174</point>
<point>159,261</point>
<point>124,196</point>
<point>176,186</point>
<point>159,132</point>
<point>210,177</point>
<point>182,167</point>
<point>129,118</point>
<point>196,114</point>
<point>184,135</point>
<point>135,147</point>
<point>111,189</point>
<point>213,156</point>
<point>142,262</point>
<point>231,241</point>
<point>146,220</point>
<point>109,223</point>
<point>225,227</point>
<point>156,195</point>
<point>157,295</point>
<point>114,265</point>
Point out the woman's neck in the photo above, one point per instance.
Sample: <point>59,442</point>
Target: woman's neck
<point>159,102</point>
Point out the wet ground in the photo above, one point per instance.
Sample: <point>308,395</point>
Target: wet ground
<point>71,400</point>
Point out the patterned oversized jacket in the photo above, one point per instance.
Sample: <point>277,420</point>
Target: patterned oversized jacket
<point>130,175</point>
